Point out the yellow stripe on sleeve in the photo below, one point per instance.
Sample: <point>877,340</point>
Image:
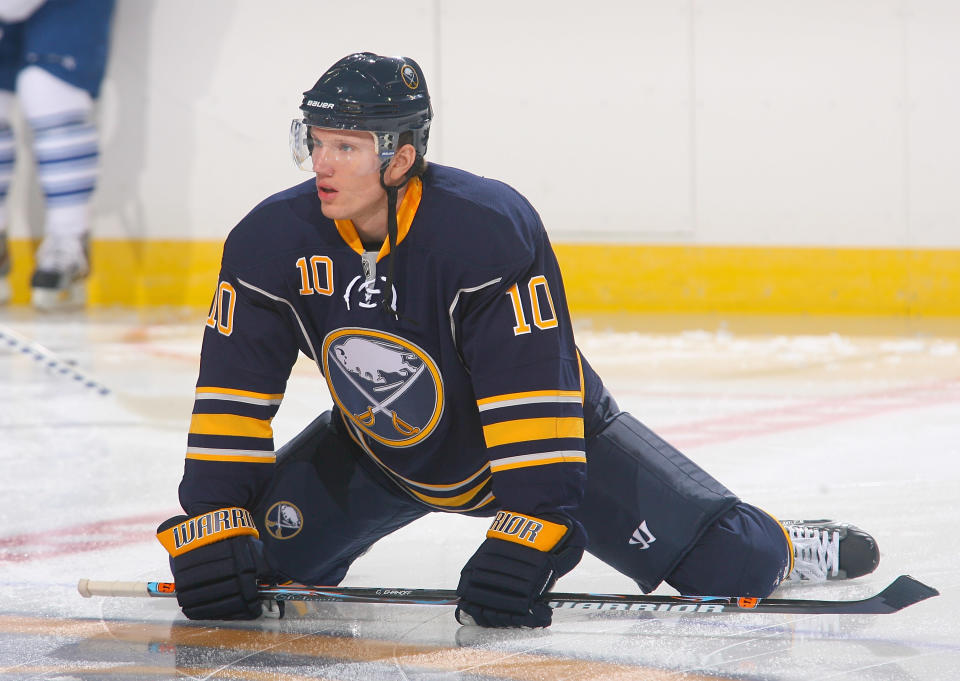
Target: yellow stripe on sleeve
<point>525,395</point>
<point>240,393</point>
<point>230,456</point>
<point>513,462</point>
<point>230,424</point>
<point>523,430</point>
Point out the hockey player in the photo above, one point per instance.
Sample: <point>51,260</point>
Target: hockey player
<point>53,55</point>
<point>431,301</point>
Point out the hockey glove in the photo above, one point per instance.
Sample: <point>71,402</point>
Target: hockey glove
<point>504,582</point>
<point>216,558</point>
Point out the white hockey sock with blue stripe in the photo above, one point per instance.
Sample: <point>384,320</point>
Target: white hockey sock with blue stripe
<point>67,155</point>
<point>66,149</point>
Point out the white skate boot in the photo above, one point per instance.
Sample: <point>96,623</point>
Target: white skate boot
<point>59,280</point>
<point>826,549</point>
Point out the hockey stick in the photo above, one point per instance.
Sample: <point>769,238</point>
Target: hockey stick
<point>50,360</point>
<point>904,591</point>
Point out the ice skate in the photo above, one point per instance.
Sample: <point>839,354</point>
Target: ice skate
<point>826,550</point>
<point>5,291</point>
<point>59,280</point>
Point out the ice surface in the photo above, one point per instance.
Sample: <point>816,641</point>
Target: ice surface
<point>860,427</point>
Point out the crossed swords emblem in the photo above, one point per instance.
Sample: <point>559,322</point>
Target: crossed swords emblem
<point>368,417</point>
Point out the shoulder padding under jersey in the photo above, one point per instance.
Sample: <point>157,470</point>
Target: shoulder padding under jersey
<point>484,222</point>
<point>279,224</point>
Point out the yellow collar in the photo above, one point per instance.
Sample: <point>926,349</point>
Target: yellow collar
<point>405,213</point>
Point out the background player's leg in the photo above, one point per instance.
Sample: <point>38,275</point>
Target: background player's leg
<point>323,509</point>
<point>66,44</point>
<point>8,148</point>
<point>66,150</point>
<point>10,62</point>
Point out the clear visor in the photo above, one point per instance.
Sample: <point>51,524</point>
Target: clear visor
<point>355,152</point>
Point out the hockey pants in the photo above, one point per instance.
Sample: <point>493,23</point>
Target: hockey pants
<point>650,513</point>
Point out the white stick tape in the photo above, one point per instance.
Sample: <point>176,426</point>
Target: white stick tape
<point>88,588</point>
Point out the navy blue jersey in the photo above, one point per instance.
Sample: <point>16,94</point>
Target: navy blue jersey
<point>470,398</point>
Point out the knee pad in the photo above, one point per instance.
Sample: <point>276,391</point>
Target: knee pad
<point>44,96</point>
<point>744,553</point>
<point>645,503</point>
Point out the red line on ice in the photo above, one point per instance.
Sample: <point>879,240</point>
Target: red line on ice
<point>140,528</point>
<point>79,538</point>
<point>809,414</point>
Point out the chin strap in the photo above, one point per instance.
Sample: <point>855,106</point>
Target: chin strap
<point>392,230</point>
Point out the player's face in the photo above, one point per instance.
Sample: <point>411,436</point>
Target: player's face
<point>349,152</point>
<point>347,169</point>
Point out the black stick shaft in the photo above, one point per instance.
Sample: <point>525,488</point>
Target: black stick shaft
<point>904,591</point>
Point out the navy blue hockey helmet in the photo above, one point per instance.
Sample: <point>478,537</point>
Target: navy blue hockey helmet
<point>364,91</point>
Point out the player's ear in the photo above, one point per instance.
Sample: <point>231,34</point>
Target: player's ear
<point>401,163</point>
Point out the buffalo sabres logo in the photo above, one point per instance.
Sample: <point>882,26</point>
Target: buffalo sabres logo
<point>284,520</point>
<point>387,386</point>
<point>409,76</point>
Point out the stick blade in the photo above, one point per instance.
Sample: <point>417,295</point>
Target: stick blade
<point>902,592</point>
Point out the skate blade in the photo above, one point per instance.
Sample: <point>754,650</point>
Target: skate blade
<point>59,300</point>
